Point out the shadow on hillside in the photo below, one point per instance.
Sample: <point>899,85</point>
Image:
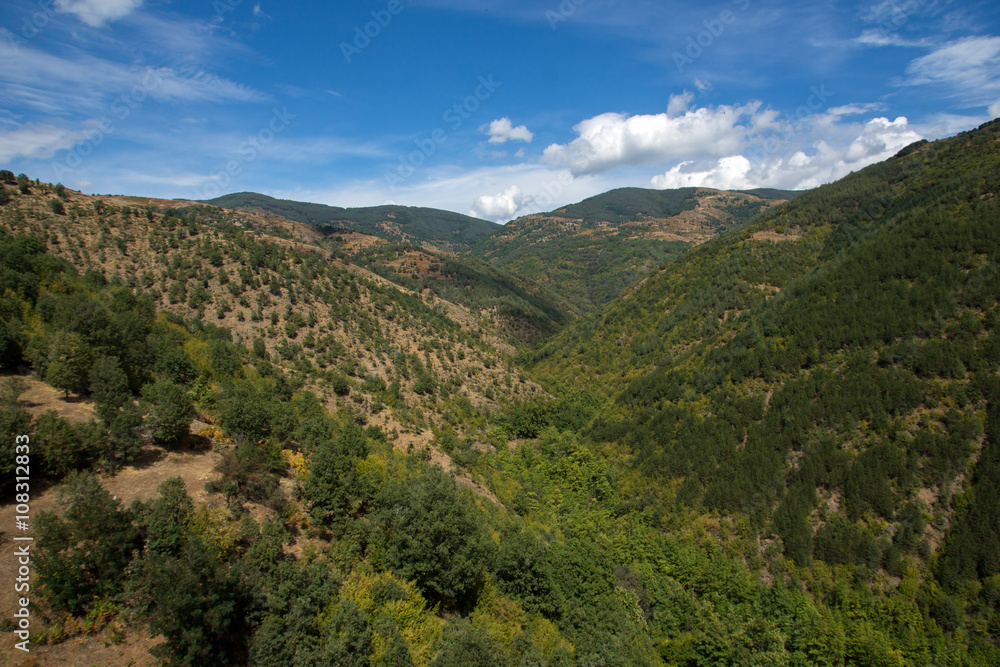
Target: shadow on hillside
<point>150,455</point>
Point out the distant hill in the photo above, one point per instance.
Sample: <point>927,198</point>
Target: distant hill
<point>587,253</point>
<point>444,230</point>
<point>627,204</point>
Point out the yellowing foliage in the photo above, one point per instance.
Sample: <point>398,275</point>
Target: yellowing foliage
<point>214,523</point>
<point>417,623</point>
<point>500,616</point>
<point>297,462</point>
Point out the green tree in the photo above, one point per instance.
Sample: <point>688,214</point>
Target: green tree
<point>333,486</point>
<point>200,607</point>
<point>68,364</point>
<point>15,428</point>
<point>247,411</point>
<point>109,388</point>
<point>465,645</point>
<point>83,556</point>
<point>348,641</point>
<point>164,520</point>
<point>126,433</point>
<point>433,536</point>
<point>57,444</point>
<point>57,206</point>
<point>250,472</point>
<point>169,410</point>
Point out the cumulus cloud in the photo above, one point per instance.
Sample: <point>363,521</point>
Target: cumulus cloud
<point>876,140</point>
<point>880,139</point>
<point>98,12</point>
<point>501,206</point>
<point>995,109</point>
<point>678,104</point>
<point>613,140</point>
<point>731,172</point>
<point>502,131</point>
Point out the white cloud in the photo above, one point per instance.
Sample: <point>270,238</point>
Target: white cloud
<point>854,109</point>
<point>969,67</point>
<point>679,104</point>
<point>883,38</point>
<point>501,206</point>
<point>35,141</point>
<point>702,86</point>
<point>948,124</point>
<point>995,109</point>
<point>880,139</point>
<point>613,140</point>
<point>97,12</point>
<point>792,168</point>
<point>57,85</point>
<point>502,131</point>
<point>728,173</point>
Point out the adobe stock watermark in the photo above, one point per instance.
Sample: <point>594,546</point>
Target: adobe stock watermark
<point>31,26</point>
<point>704,39</point>
<point>562,13</point>
<point>363,36</point>
<point>816,101</point>
<point>121,108</point>
<point>248,150</point>
<point>455,116</point>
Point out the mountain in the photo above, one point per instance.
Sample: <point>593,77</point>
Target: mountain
<point>520,309</point>
<point>587,253</point>
<point>829,373</point>
<point>251,442</point>
<point>439,229</point>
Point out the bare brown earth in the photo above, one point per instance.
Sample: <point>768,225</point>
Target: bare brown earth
<point>774,236</point>
<point>40,397</point>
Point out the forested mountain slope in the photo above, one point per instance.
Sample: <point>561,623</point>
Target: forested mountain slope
<point>587,253</point>
<point>829,372</point>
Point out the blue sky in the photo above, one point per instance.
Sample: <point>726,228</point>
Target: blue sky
<point>495,108</point>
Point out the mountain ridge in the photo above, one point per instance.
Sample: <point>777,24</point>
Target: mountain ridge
<point>442,229</point>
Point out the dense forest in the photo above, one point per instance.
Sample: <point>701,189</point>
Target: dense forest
<point>586,254</point>
<point>782,447</point>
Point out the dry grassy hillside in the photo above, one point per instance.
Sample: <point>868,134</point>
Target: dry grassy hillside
<point>353,335</point>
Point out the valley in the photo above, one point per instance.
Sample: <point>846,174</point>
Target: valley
<point>657,427</point>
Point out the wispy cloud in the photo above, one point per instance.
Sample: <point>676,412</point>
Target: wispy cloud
<point>96,13</point>
<point>33,140</point>
<point>968,68</point>
<point>52,84</point>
